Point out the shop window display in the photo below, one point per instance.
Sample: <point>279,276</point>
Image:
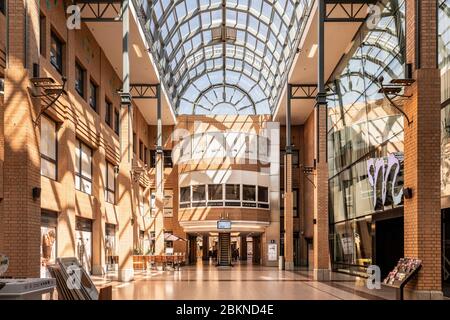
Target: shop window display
<point>48,241</point>
<point>83,236</point>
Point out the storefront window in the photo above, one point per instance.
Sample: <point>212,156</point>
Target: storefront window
<point>49,221</point>
<point>365,137</point>
<point>110,247</point>
<point>48,148</point>
<point>83,236</point>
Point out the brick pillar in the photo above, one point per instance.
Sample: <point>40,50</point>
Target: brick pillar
<point>98,225</point>
<point>243,253</point>
<point>288,215</point>
<point>321,261</point>
<point>159,202</point>
<point>20,225</point>
<point>205,255</point>
<point>126,201</point>
<point>422,212</point>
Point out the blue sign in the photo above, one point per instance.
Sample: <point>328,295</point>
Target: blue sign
<point>224,224</point>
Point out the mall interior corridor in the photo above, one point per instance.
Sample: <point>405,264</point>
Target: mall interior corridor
<point>243,281</point>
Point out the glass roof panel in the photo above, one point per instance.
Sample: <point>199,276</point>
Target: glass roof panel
<point>223,56</point>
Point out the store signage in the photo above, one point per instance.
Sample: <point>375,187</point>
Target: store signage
<point>388,172</point>
<point>223,224</point>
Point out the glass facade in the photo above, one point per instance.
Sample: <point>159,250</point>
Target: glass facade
<point>365,138</point>
<point>444,65</point>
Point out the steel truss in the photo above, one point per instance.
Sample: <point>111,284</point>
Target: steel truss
<point>99,10</point>
<point>346,10</point>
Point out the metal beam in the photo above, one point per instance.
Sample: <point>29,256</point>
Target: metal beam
<point>346,10</point>
<point>303,91</point>
<point>144,91</point>
<point>99,10</point>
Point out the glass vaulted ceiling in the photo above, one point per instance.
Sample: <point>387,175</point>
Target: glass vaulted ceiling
<point>224,56</point>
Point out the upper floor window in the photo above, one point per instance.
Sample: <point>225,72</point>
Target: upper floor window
<point>263,194</point>
<point>134,143</point>
<point>233,192</point>
<point>145,155</point>
<point>110,191</point>
<point>117,121</point>
<point>3,6</point>
<point>93,91</point>
<point>79,79</point>
<point>108,112</point>
<point>141,150</point>
<point>48,148</point>
<point>248,193</point>
<point>83,167</point>
<point>56,52</point>
<point>167,154</point>
<point>215,192</point>
<point>42,34</point>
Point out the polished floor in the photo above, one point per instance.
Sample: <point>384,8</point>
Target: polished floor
<point>241,282</point>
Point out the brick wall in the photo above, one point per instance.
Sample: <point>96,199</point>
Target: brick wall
<point>422,150</point>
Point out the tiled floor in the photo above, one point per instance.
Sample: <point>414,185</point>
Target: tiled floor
<point>241,282</point>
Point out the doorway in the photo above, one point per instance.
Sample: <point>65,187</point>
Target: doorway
<point>389,246</point>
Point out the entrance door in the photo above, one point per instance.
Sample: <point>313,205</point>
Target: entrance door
<point>446,252</point>
<point>388,244</point>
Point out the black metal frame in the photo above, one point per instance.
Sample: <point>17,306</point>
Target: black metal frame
<point>351,10</point>
<point>144,91</point>
<point>100,10</point>
<point>303,91</point>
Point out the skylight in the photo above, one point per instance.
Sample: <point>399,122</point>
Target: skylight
<point>222,56</point>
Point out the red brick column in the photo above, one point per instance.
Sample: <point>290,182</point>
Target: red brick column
<point>288,215</point>
<point>321,262</point>
<point>422,152</point>
<point>20,225</point>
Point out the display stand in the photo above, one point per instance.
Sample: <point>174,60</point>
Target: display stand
<point>67,272</point>
<point>403,272</point>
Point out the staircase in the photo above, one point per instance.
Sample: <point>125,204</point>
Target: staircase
<point>224,256</point>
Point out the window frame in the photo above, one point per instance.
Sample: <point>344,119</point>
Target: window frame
<point>117,121</point>
<point>185,204</point>
<point>80,174</point>
<point>60,48</point>
<point>93,86</point>
<point>201,202</point>
<point>47,158</point>
<point>81,92</point>
<point>107,189</point>
<point>42,33</point>
<point>108,112</point>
